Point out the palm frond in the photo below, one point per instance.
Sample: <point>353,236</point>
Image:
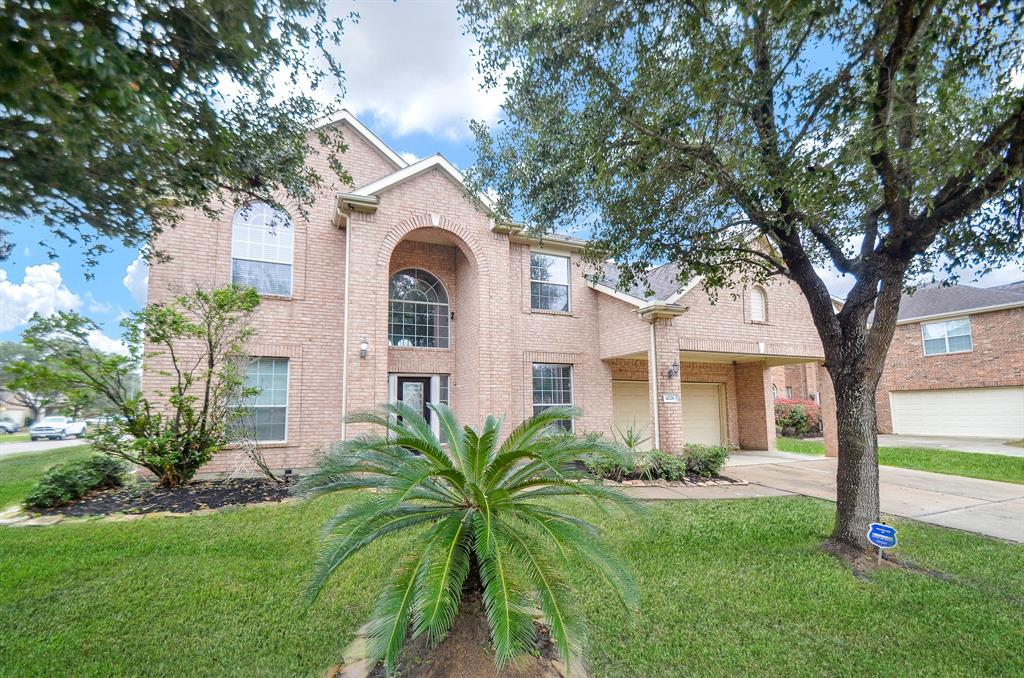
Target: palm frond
<point>507,614</point>
<point>440,586</point>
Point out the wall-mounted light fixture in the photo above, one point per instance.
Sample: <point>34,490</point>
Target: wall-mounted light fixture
<point>673,370</point>
<point>364,347</point>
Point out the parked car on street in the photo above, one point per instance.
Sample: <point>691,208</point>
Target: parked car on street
<point>8,426</point>
<point>57,428</point>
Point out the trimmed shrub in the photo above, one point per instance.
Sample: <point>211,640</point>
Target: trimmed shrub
<point>798,417</point>
<point>705,460</point>
<point>72,480</point>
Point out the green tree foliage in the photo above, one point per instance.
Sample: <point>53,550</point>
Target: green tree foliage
<point>36,399</point>
<point>487,523</point>
<point>197,352</point>
<point>744,141</point>
<point>113,115</point>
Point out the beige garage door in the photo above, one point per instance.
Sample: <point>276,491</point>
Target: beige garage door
<point>631,407</point>
<point>702,414</point>
<point>974,412</point>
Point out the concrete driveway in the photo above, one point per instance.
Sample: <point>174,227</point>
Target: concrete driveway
<point>983,506</point>
<point>38,446</point>
<point>984,445</point>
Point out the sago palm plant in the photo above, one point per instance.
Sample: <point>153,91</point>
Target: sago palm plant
<point>485,521</point>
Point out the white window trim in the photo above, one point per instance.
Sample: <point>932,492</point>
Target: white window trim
<point>287,396</point>
<point>435,392</point>
<point>567,284</point>
<point>572,392</point>
<point>291,264</point>
<point>970,333</point>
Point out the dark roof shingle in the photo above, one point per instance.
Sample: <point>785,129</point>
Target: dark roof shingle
<point>936,300</point>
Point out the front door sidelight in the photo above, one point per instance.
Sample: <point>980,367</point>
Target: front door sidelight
<point>415,392</point>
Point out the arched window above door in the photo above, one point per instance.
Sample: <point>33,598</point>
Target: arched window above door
<point>417,310</point>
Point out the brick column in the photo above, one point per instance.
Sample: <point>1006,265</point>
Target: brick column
<point>827,398</point>
<point>756,416</point>
<point>665,349</point>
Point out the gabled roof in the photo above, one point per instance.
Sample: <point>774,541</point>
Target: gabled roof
<point>1012,287</point>
<point>415,169</point>
<point>345,116</point>
<point>934,300</point>
<point>661,280</point>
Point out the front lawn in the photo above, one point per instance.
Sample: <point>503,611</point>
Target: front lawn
<point>969,464</point>
<point>19,472</point>
<point>14,438</point>
<point>728,588</point>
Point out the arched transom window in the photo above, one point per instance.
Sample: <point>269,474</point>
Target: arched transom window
<point>758,305</point>
<point>261,249</point>
<point>417,310</point>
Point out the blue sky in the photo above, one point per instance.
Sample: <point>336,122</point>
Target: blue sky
<point>410,77</point>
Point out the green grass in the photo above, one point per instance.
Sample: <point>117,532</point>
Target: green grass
<point>728,588</point>
<point>14,438</point>
<point>19,472</point>
<point>969,464</point>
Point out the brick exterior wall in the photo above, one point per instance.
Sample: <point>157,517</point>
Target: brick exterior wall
<point>997,359</point>
<point>428,222</point>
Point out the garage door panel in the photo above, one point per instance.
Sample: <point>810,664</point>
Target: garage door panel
<point>702,414</point>
<point>972,412</point>
<point>631,408</point>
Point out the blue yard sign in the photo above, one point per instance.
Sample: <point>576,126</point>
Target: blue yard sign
<point>882,536</point>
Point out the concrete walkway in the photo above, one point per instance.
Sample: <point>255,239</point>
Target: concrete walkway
<point>984,506</point>
<point>982,445</point>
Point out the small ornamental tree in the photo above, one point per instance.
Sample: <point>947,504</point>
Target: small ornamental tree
<point>883,139</point>
<point>198,341</point>
<point>36,398</point>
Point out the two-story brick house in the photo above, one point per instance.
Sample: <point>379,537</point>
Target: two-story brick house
<point>956,364</point>
<point>404,288</point>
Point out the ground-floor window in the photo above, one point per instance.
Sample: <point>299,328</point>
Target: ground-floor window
<point>552,385</point>
<point>266,412</point>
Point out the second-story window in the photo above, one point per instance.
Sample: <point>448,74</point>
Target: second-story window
<point>261,249</point>
<point>549,282</point>
<point>948,336</point>
<point>758,305</point>
<point>417,310</point>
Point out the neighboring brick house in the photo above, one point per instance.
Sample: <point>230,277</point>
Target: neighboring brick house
<point>956,364</point>
<point>404,288</point>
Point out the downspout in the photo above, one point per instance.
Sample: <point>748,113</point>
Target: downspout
<point>653,376</point>
<point>345,331</point>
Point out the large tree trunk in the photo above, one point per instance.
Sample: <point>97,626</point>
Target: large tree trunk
<point>857,501</point>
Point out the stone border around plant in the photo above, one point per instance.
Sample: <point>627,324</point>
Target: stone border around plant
<point>16,516</point>
<point>710,482</point>
<point>354,663</point>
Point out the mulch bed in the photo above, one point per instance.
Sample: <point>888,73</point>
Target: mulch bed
<point>195,496</point>
<point>466,652</point>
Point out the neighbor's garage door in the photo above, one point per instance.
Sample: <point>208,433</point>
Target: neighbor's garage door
<point>702,414</point>
<point>631,407</point>
<point>974,412</point>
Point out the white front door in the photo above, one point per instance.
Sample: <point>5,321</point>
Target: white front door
<point>702,414</point>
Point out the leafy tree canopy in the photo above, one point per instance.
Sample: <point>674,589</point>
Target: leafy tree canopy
<point>111,121</point>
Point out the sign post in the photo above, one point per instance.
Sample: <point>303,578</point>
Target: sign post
<point>882,536</point>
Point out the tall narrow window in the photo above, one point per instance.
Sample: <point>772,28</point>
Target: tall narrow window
<point>949,336</point>
<point>758,305</point>
<point>266,412</point>
<point>552,385</point>
<point>262,249</point>
<point>549,282</point>
<point>417,310</point>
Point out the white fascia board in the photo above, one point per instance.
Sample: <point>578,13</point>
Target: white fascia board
<point>962,313</point>
<point>618,294</point>
<point>409,171</point>
<point>364,131</point>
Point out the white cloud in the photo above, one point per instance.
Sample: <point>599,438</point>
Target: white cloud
<point>410,65</point>
<point>136,279</point>
<point>409,157</point>
<point>102,342</point>
<point>42,291</point>
<point>839,285</point>
<point>97,306</point>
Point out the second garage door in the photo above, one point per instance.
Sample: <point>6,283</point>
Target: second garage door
<point>972,412</point>
<point>702,414</point>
